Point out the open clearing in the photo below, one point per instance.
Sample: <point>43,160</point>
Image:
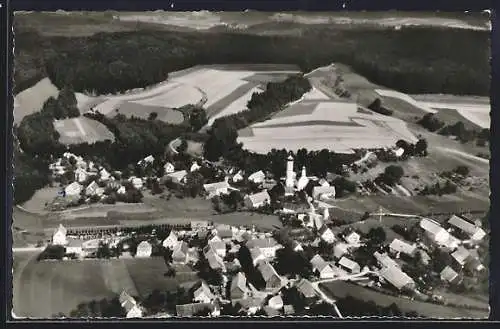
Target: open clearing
<point>340,289</point>
<point>81,130</point>
<point>31,100</point>
<point>316,125</point>
<point>38,200</point>
<point>50,287</point>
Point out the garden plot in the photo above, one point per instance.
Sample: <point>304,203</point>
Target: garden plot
<point>81,130</point>
<point>32,99</point>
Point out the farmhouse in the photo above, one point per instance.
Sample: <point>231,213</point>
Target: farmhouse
<point>340,249</point>
<point>449,275</point>
<point>384,260</point>
<point>215,261</point>
<point>203,294</point>
<point>91,189</point>
<point>438,234</point>
<point>214,189</point>
<point>397,278</point>
<point>59,236</point>
<point>238,286</point>
<point>257,177</point>
<point>461,256</point>
<point>353,238</point>
<point>276,302</point>
<point>323,192</point>
<point>104,174</point>
<point>321,267</point>
<point>257,200</point>
<point>169,168</point>
<point>73,189</point>
<point>267,246</point>
<point>180,253</point>
<point>81,175</point>
<point>270,276</point>
<point>476,233</point>
<point>144,250</point>
<point>177,177</point>
<point>74,246</point>
<point>130,306</point>
<point>306,289</point>
<point>195,166</point>
<point>223,231</point>
<point>349,265</point>
<point>170,241</point>
<point>398,247</point>
<point>257,255</point>
<point>219,247</point>
<point>238,177</point>
<point>326,234</point>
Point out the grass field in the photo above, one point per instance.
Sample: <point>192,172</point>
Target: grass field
<point>37,202</point>
<point>81,130</point>
<point>340,289</point>
<point>31,100</point>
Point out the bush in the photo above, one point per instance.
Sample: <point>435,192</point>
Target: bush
<point>392,175</point>
<point>430,122</point>
<point>52,252</point>
<point>376,106</point>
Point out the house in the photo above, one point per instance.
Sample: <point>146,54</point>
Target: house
<point>121,190</point>
<point>353,238</point>
<point>215,261</point>
<point>340,249</point>
<point>177,177</point>
<point>59,236</point>
<point>384,260</point>
<point>270,276</point>
<point>219,247</point>
<point>251,304</point>
<point>271,312</point>
<point>223,231</point>
<point>317,221</point>
<point>74,246</point>
<point>73,189</point>
<point>257,177</point>
<point>218,188</point>
<point>397,278</point>
<point>449,275</point>
<point>323,192</point>
<point>169,168</point>
<point>238,286</point>
<point>170,241</point>
<point>398,247</point>
<point>276,302</point>
<point>137,182</point>
<point>323,182</point>
<point>130,306</point>
<point>349,265</point>
<point>306,289</point>
<point>326,234</point>
<point>322,268</point>
<point>238,177</point>
<point>461,256</point>
<point>144,250</point>
<point>104,174</point>
<point>438,234</point>
<point>91,246</point>
<point>257,256</point>
<point>203,294</point>
<point>91,189</point>
<point>180,253</point>
<point>187,310</point>
<point>296,246</point>
<point>81,175</point>
<point>476,233</point>
<point>267,246</point>
<point>199,224</point>
<point>399,152</point>
<point>257,200</point>
<point>195,166</point>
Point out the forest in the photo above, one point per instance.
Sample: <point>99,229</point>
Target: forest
<point>412,60</point>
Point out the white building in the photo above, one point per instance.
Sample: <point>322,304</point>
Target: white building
<point>353,238</point>
<point>349,265</point>
<point>104,174</point>
<point>203,294</point>
<point>81,175</point>
<point>169,168</point>
<point>195,166</point>
<point>267,246</point>
<point>137,183</point>
<point>74,246</point>
<point>73,189</point>
<point>130,305</point>
<point>257,177</point>
<point>326,234</point>
<point>276,302</point>
<point>323,192</point>
<point>438,234</point>
<point>257,200</point>
<point>340,249</point>
<point>290,174</point>
<point>303,180</point>
<point>398,247</point>
<point>91,189</point>
<point>322,268</point>
<point>170,241</point>
<point>216,188</point>
<point>238,177</point>
<point>397,278</point>
<point>144,250</point>
<point>476,233</point>
<point>178,177</point>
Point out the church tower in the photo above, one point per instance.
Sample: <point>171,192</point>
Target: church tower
<point>289,182</point>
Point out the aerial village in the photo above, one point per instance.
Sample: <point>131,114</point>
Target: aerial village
<point>245,264</point>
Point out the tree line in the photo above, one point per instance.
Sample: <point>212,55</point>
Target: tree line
<point>414,60</point>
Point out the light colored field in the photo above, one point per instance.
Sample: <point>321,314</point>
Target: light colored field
<point>406,98</point>
<point>478,114</point>
<point>31,100</point>
<point>337,126</point>
<point>143,111</point>
<point>179,95</point>
<point>101,210</point>
<point>237,106</point>
<point>315,94</point>
<point>81,130</point>
<point>38,200</point>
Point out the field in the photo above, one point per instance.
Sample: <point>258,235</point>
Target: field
<point>31,100</point>
<point>81,130</point>
<point>340,289</point>
<point>315,125</point>
<point>37,202</point>
<point>47,288</point>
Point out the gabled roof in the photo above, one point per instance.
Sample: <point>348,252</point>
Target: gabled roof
<point>346,262</point>
<point>180,249</point>
<point>259,197</point>
<point>268,272</point>
<point>257,174</point>
<point>203,289</point>
<point>217,245</point>
<point>461,255</point>
<point>463,225</point>
<point>239,282</point>
<point>403,247</point>
<point>431,226</point>
<point>448,274</point>
<point>61,229</point>
<point>178,174</point>
<point>306,288</point>
<point>317,190</point>
<point>127,301</point>
<point>396,277</point>
<point>214,261</point>
<point>385,260</point>
<point>262,243</point>
<point>324,229</point>
<point>318,263</point>
<point>215,186</point>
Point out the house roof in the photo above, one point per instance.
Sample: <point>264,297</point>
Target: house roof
<point>255,253</point>
<point>259,197</point>
<point>461,255</point>
<point>306,288</point>
<point>214,261</point>
<point>171,236</point>
<point>74,243</point>
<point>268,272</point>
<point>239,282</point>
<point>385,260</point>
<point>396,277</point>
<point>319,263</point>
<point>448,274</point>
<point>257,174</point>
<point>354,235</point>
<point>276,301</point>
<point>181,249</point>
<point>403,247</point>
<point>203,289</point>
<point>61,229</point>
<point>431,226</point>
<point>346,262</point>
<point>215,186</point>
<point>217,245</point>
<point>127,301</point>
<point>193,308</point>
<point>144,245</point>
<point>324,229</point>
<point>262,243</point>
<point>74,185</point>
<point>463,225</point>
<point>317,190</point>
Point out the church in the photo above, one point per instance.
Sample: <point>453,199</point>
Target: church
<point>291,182</point>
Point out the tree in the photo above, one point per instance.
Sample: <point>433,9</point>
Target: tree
<point>197,118</point>
<point>462,170</point>
<point>392,174</point>
<point>103,251</point>
<point>421,147</point>
<point>376,236</point>
<point>183,146</point>
<point>153,116</point>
